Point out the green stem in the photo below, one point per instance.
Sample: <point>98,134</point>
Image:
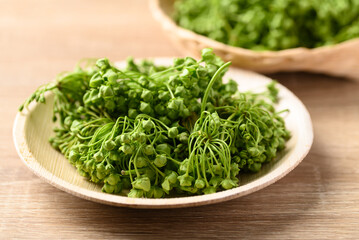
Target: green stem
<point>209,87</point>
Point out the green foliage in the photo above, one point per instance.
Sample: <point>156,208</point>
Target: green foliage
<point>271,24</point>
<point>156,130</point>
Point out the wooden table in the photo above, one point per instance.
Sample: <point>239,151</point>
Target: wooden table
<point>40,38</point>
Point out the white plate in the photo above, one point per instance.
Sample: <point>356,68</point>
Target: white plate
<point>33,127</point>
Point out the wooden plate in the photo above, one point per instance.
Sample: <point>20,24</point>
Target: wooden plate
<point>33,127</point>
<point>338,60</point>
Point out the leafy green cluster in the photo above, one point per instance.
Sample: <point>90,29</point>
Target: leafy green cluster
<point>271,24</point>
<point>157,130</point>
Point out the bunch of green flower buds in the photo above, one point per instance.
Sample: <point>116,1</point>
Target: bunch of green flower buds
<point>153,131</point>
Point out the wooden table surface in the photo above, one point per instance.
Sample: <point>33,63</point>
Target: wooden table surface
<point>40,38</point>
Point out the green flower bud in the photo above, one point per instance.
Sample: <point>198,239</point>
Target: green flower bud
<point>180,91</point>
<point>166,185</point>
<point>215,181</point>
<point>231,87</point>
<point>133,103</point>
<point>228,184</point>
<point>118,140</point>
<point>68,121</point>
<point>110,105</point>
<point>242,163</point>
<point>111,76</point>
<point>147,95</point>
<point>207,54</point>
<point>146,108</point>
<point>89,165</point>
<point>134,93</point>
<point>114,156</point>
<point>113,179</point>
<point>102,63</point>
<point>160,109</point>
<point>135,136</point>
<point>160,160</point>
<point>165,120</point>
<point>74,156</point>
<point>199,183</point>
<point>142,183</point>
<point>217,169</point>
<point>100,175</point>
<point>236,159</point>
<point>189,61</point>
<point>234,169</point>
<point>94,96</point>
<point>106,91</point>
<point>164,96</point>
<point>162,138</point>
<point>172,177</point>
<point>148,150</point>
<point>143,81</point>
<point>175,104</point>
<point>86,98</point>
<point>163,148</point>
<point>183,137</point>
<point>141,162</point>
<point>94,179</point>
<point>173,132</point>
<point>157,192</point>
<point>184,166</point>
<point>150,173</point>
<point>142,138</point>
<point>185,180</point>
<point>132,113</point>
<point>107,188</point>
<point>195,91</point>
<point>127,149</point>
<point>100,170</point>
<point>109,145</point>
<point>96,80</point>
<point>136,193</point>
<point>243,154</point>
<point>125,138</point>
<point>185,73</point>
<point>254,151</point>
<point>178,61</point>
<point>271,152</point>
<point>185,113</point>
<point>173,81</point>
<point>98,156</point>
<point>262,158</point>
<point>147,125</point>
<point>209,190</point>
<point>172,114</point>
<point>109,169</point>
<point>281,143</point>
<point>82,173</point>
<point>255,167</point>
<point>76,126</point>
<point>118,188</point>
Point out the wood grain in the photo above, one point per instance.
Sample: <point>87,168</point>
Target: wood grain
<point>39,38</point>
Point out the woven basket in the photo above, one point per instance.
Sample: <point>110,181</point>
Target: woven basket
<point>337,60</point>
